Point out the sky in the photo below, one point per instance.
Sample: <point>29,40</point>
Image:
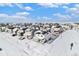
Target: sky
<point>39,12</point>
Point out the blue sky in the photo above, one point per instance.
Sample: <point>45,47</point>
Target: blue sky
<point>39,12</point>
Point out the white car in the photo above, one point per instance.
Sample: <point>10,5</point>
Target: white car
<point>39,37</point>
<point>28,34</point>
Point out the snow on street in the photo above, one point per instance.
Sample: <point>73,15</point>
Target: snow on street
<point>61,46</point>
<point>8,48</point>
<point>13,46</point>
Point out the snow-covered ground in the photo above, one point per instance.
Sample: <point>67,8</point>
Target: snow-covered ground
<point>61,46</point>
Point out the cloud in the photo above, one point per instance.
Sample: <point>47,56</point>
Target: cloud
<point>74,11</point>
<point>65,7</point>
<point>61,17</point>
<point>3,15</point>
<point>77,5</point>
<point>11,5</point>
<point>28,8</point>
<point>57,17</point>
<point>74,8</point>
<point>45,17</point>
<point>51,5</point>
<point>48,5</point>
<point>66,17</point>
<point>6,4</point>
<point>13,18</point>
<point>22,13</point>
<point>19,5</point>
